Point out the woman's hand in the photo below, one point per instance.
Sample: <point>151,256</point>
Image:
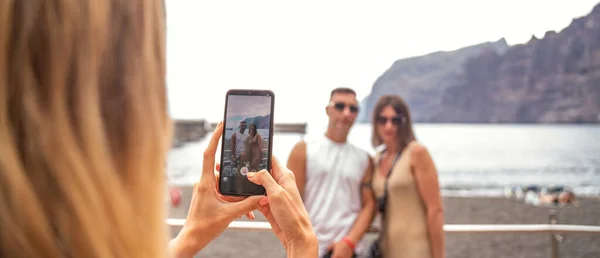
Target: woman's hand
<point>209,213</point>
<point>284,209</point>
<point>249,215</point>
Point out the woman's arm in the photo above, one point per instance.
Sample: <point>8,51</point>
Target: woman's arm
<point>233,141</point>
<point>186,246</point>
<point>426,178</point>
<point>260,148</point>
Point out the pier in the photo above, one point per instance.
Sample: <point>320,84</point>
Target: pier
<point>188,131</point>
<point>299,128</point>
<point>194,130</point>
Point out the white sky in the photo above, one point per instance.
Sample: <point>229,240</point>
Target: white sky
<point>248,106</point>
<point>303,49</point>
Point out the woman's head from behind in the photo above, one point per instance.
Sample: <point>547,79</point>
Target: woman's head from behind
<point>84,128</point>
<point>392,122</point>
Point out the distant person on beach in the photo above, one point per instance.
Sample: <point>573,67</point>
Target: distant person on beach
<point>331,175</point>
<point>238,144</point>
<point>560,198</point>
<point>405,183</point>
<point>537,195</point>
<point>254,148</point>
<point>175,194</point>
<point>85,132</point>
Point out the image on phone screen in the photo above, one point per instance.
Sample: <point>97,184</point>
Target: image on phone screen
<point>246,145</point>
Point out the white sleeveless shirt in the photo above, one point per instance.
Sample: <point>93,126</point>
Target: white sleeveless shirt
<point>240,142</point>
<point>332,194</point>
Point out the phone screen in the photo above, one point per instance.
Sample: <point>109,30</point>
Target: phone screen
<point>247,145</point>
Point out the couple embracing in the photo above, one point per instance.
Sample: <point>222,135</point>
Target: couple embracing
<point>246,148</point>
<point>343,187</point>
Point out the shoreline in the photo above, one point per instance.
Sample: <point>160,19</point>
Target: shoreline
<point>457,210</point>
<point>457,193</point>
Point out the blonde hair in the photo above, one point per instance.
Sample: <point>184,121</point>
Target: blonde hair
<point>84,128</point>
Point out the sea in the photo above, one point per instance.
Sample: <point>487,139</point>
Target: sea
<point>472,159</point>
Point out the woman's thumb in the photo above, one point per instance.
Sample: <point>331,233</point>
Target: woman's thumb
<point>265,179</point>
<point>247,205</point>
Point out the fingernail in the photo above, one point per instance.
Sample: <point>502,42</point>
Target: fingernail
<point>250,174</point>
<point>263,201</point>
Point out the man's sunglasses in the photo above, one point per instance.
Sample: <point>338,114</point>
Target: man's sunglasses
<point>341,106</point>
<point>395,120</point>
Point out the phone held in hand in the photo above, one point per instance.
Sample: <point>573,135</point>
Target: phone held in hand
<point>247,140</point>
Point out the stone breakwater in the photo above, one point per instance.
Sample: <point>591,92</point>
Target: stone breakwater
<point>194,130</point>
<point>188,131</point>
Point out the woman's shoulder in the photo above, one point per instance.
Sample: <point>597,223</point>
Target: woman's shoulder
<point>417,150</point>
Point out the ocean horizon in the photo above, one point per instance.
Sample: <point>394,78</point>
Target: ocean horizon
<point>472,159</point>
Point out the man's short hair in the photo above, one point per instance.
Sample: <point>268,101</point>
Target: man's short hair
<point>342,90</point>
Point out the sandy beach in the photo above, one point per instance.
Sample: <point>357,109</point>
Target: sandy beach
<point>458,210</point>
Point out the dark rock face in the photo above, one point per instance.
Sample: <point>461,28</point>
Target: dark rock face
<point>261,122</point>
<point>555,79</point>
<point>421,81</point>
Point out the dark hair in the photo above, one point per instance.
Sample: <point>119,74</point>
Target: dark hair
<point>342,90</point>
<point>405,131</point>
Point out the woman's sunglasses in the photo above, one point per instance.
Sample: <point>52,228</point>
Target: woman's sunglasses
<point>382,120</point>
<point>340,106</point>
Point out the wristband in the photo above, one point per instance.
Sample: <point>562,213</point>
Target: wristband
<point>349,243</point>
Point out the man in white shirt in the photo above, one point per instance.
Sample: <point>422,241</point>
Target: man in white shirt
<point>332,177</point>
<point>238,143</point>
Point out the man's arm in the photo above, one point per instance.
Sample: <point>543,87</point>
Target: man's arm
<point>365,217</point>
<point>297,164</point>
<point>426,177</point>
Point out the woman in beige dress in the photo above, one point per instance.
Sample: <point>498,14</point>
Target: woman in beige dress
<point>405,184</point>
<point>254,148</point>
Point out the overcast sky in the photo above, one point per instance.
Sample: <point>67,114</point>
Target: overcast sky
<point>303,49</point>
<point>248,106</point>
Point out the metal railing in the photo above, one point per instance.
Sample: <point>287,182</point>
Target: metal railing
<point>449,228</point>
<point>553,229</point>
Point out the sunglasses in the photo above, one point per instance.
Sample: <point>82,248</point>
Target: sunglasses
<point>340,106</point>
<point>382,120</point>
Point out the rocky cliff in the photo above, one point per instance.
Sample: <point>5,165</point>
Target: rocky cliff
<point>555,79</point>
<point>422,80</point>
<point>261,122</point>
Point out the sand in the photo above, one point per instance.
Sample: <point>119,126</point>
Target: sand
<point>458,210</point>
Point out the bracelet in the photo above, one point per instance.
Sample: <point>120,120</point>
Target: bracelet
<point>349,243</point>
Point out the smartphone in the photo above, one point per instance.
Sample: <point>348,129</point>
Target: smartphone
<point>247,140</point>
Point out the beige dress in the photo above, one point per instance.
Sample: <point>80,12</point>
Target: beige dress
<point>404,228</point>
